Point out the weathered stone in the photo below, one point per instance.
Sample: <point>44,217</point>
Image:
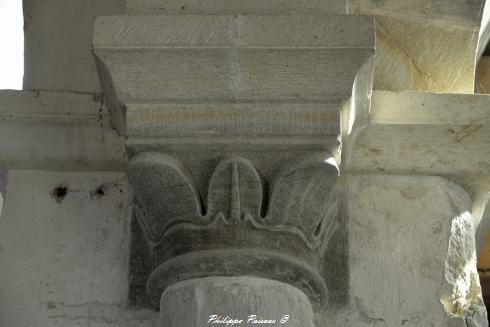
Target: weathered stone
<point>63,264</point>
<point>416,42</point>
<point>440,134</point>
<point>254,301</point>
<point>412,252</point>
<point>238,231</point>
<point>418,133</point>
<point>228,58</point>
<point>232,7</point>
<point>228,111</point>
<point>454,9</point>
<point>207,120</point>
<point>57,131</point>
<point>210,91</point>
<point>214,87</point>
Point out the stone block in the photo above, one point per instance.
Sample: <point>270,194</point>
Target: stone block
<point>233,58</point>
<point>206,301</point>
<point>57,131</point>
<point>425,45</point>
<point>229,58</point>
<point>231,7</point>
<point>412,252</point>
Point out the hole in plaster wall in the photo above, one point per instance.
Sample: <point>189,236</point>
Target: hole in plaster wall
<point>12,39</point>
<point>99,191</point>
<point>59,193</point>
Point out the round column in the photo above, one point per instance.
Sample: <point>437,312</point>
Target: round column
<point>234,301</point>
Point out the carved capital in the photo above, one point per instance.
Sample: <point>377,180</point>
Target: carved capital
<point>208,88</point>
<point>243,228</point>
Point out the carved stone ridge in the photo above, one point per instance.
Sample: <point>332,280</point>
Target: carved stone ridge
<point>244,228</point>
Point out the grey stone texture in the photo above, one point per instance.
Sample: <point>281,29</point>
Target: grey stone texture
<point>229,113</point>
<point>58,39</point>
<point>206,301</point>
<point>232,7</point>
<point>57,131</point>
<point>169,59</point>
<point>239,230</point>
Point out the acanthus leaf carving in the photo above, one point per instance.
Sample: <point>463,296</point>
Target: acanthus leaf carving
<point>300,218</point>
<point>164,192</point>
<point>304,198</point>
<point>235,190</point>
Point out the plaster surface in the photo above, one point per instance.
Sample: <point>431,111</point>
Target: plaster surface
<point>57,131</point>
<point>58,37</point>
<point>64,254</point>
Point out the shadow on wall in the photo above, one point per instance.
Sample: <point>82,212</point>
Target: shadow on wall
<point>3,187</point>
<point>484,270</point>
<point>482,86</point>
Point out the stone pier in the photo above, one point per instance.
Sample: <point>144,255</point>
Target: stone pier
<point>242,162</point>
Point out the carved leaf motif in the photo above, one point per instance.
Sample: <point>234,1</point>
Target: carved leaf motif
<point>304,198</point>
<point>165,193</point>
<point>235,190</point>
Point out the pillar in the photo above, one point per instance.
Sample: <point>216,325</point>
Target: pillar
<point>231,116</point>
<point>234,301</point>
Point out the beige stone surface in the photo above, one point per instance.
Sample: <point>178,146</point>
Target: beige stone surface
<point>417,132</point>
<point>462,10</point>
<point>412,252</point>
<point>425,45</point>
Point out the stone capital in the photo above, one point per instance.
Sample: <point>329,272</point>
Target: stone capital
<point>243,228</point>
<point>230,122</point>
